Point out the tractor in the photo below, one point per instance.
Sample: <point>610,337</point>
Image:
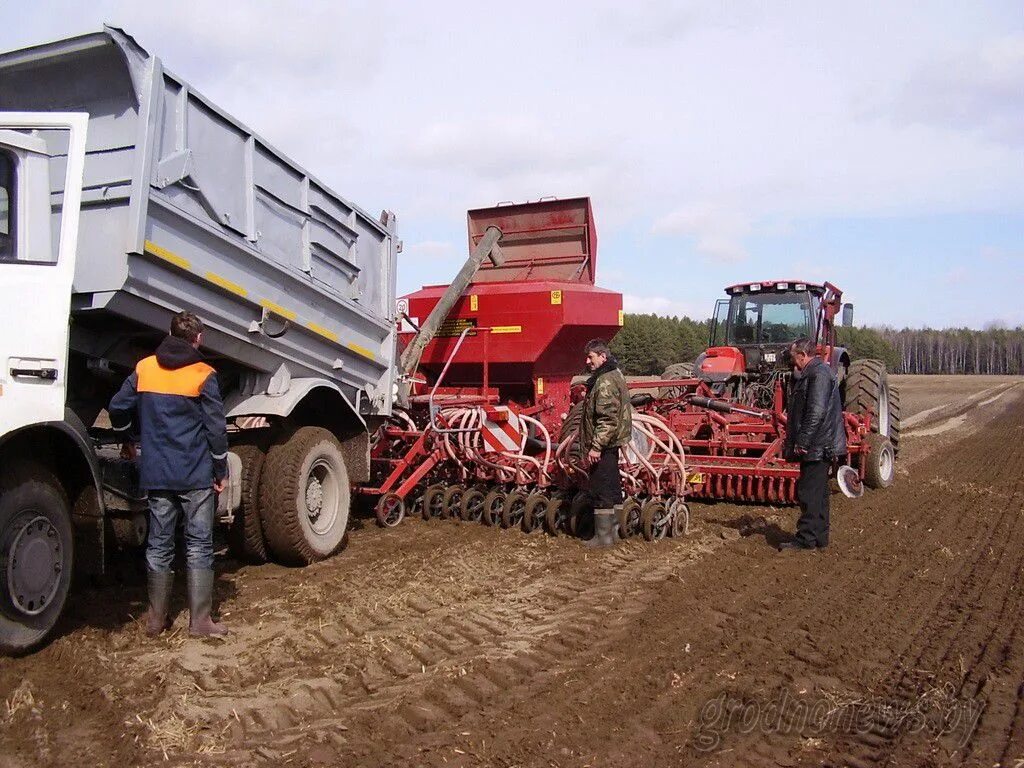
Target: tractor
<point>729,405</point>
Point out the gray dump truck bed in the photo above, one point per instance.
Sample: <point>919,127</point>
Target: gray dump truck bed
<point>185,208</point>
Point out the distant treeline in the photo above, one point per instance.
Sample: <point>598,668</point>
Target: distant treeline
<point>647,344</point>
<point>958,350</point>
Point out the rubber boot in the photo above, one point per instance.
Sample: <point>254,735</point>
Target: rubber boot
<point>200,604</point>
<point>159,585</point>
<point>604,529</point>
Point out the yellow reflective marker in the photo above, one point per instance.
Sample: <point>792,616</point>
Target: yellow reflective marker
<point>540,386</point>
<point>359,349</point>
<point>556,297</point>
<point>163,253</point>
<point>226,284</point>
<point>507,329</point>
<point>277,309</point>
<point>622,317</point>
<point>325,332</point>
<point>474,303</point>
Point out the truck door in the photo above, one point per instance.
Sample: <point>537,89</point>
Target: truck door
<point>42,157</point>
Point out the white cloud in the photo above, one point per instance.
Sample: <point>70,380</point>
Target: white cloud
<point>977,89</point>
<point>661,305</point>
<point>717,231</point>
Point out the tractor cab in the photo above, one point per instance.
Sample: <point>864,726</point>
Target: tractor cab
<point>753,328</point>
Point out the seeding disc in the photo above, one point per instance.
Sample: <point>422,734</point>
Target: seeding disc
<point>849,482</point>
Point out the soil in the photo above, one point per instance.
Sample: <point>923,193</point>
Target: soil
<point>448,644</point>
<point>932,392</point>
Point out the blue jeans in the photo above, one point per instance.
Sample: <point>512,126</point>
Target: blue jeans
<point>164,509</point>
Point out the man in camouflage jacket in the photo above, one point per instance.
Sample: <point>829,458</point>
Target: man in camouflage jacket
<point>605,427</point>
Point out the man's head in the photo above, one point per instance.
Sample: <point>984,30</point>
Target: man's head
<point>597,354</point>
<point>187,327</point>
<point>801,352</point>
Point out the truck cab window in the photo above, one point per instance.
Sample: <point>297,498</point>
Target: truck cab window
<point>6,207</point>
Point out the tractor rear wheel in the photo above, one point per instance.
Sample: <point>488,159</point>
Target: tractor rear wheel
<point>866,390</point>
<point>676,371</point>
<point>895,417</point>
<point>880,470</point>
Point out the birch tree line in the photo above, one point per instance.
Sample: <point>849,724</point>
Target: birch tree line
<point>647,344</point>
<point>958,350</point>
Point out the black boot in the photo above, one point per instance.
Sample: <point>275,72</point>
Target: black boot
<point>605,532</point>
<point>200,604</point>
<point>159,585</point>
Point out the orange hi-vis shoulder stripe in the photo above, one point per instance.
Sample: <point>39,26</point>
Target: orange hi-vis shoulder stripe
<point>187,381</point>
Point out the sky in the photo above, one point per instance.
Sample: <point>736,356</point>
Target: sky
<point>878,145</point>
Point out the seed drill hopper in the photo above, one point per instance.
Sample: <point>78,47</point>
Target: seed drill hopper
<point>488,368</point>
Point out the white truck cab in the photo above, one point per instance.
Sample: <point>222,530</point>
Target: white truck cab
<point>41,165</point>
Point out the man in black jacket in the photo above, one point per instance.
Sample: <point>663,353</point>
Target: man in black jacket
<point>815,436</point>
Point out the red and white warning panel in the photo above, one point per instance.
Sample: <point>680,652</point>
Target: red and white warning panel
<point>502,429</point>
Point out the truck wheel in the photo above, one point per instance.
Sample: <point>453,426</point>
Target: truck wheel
<point>867,391</point>
<point>675,371</point>
<point>36,555</point>
<point>245,536</point>
<point>880,470</point>
<point>304,497</point>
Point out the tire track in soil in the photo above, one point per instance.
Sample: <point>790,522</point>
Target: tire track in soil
<point>408,667</point>
<point>524,650</point>
<point>761,626</point>
<point>965,621</point>
<point>463,660</point>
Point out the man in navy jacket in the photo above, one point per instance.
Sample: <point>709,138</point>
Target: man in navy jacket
<point>173,403</point>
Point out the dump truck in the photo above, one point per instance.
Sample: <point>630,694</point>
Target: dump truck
<point>126,196</point>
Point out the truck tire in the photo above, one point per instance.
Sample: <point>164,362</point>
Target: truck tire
<point>36,555</point>
<point>867,391</point>
<point>880,462</point>
<point>304,497</point>
<point>245,535</point>
<point>675,371</point>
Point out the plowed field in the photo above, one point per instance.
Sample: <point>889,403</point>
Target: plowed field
<point>454,644</point>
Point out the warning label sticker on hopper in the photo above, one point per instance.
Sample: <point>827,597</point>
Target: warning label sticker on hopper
<point>454,326</point>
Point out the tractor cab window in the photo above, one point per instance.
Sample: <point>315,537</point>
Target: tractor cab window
<point>770,318</point>
<point>6,207</point>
